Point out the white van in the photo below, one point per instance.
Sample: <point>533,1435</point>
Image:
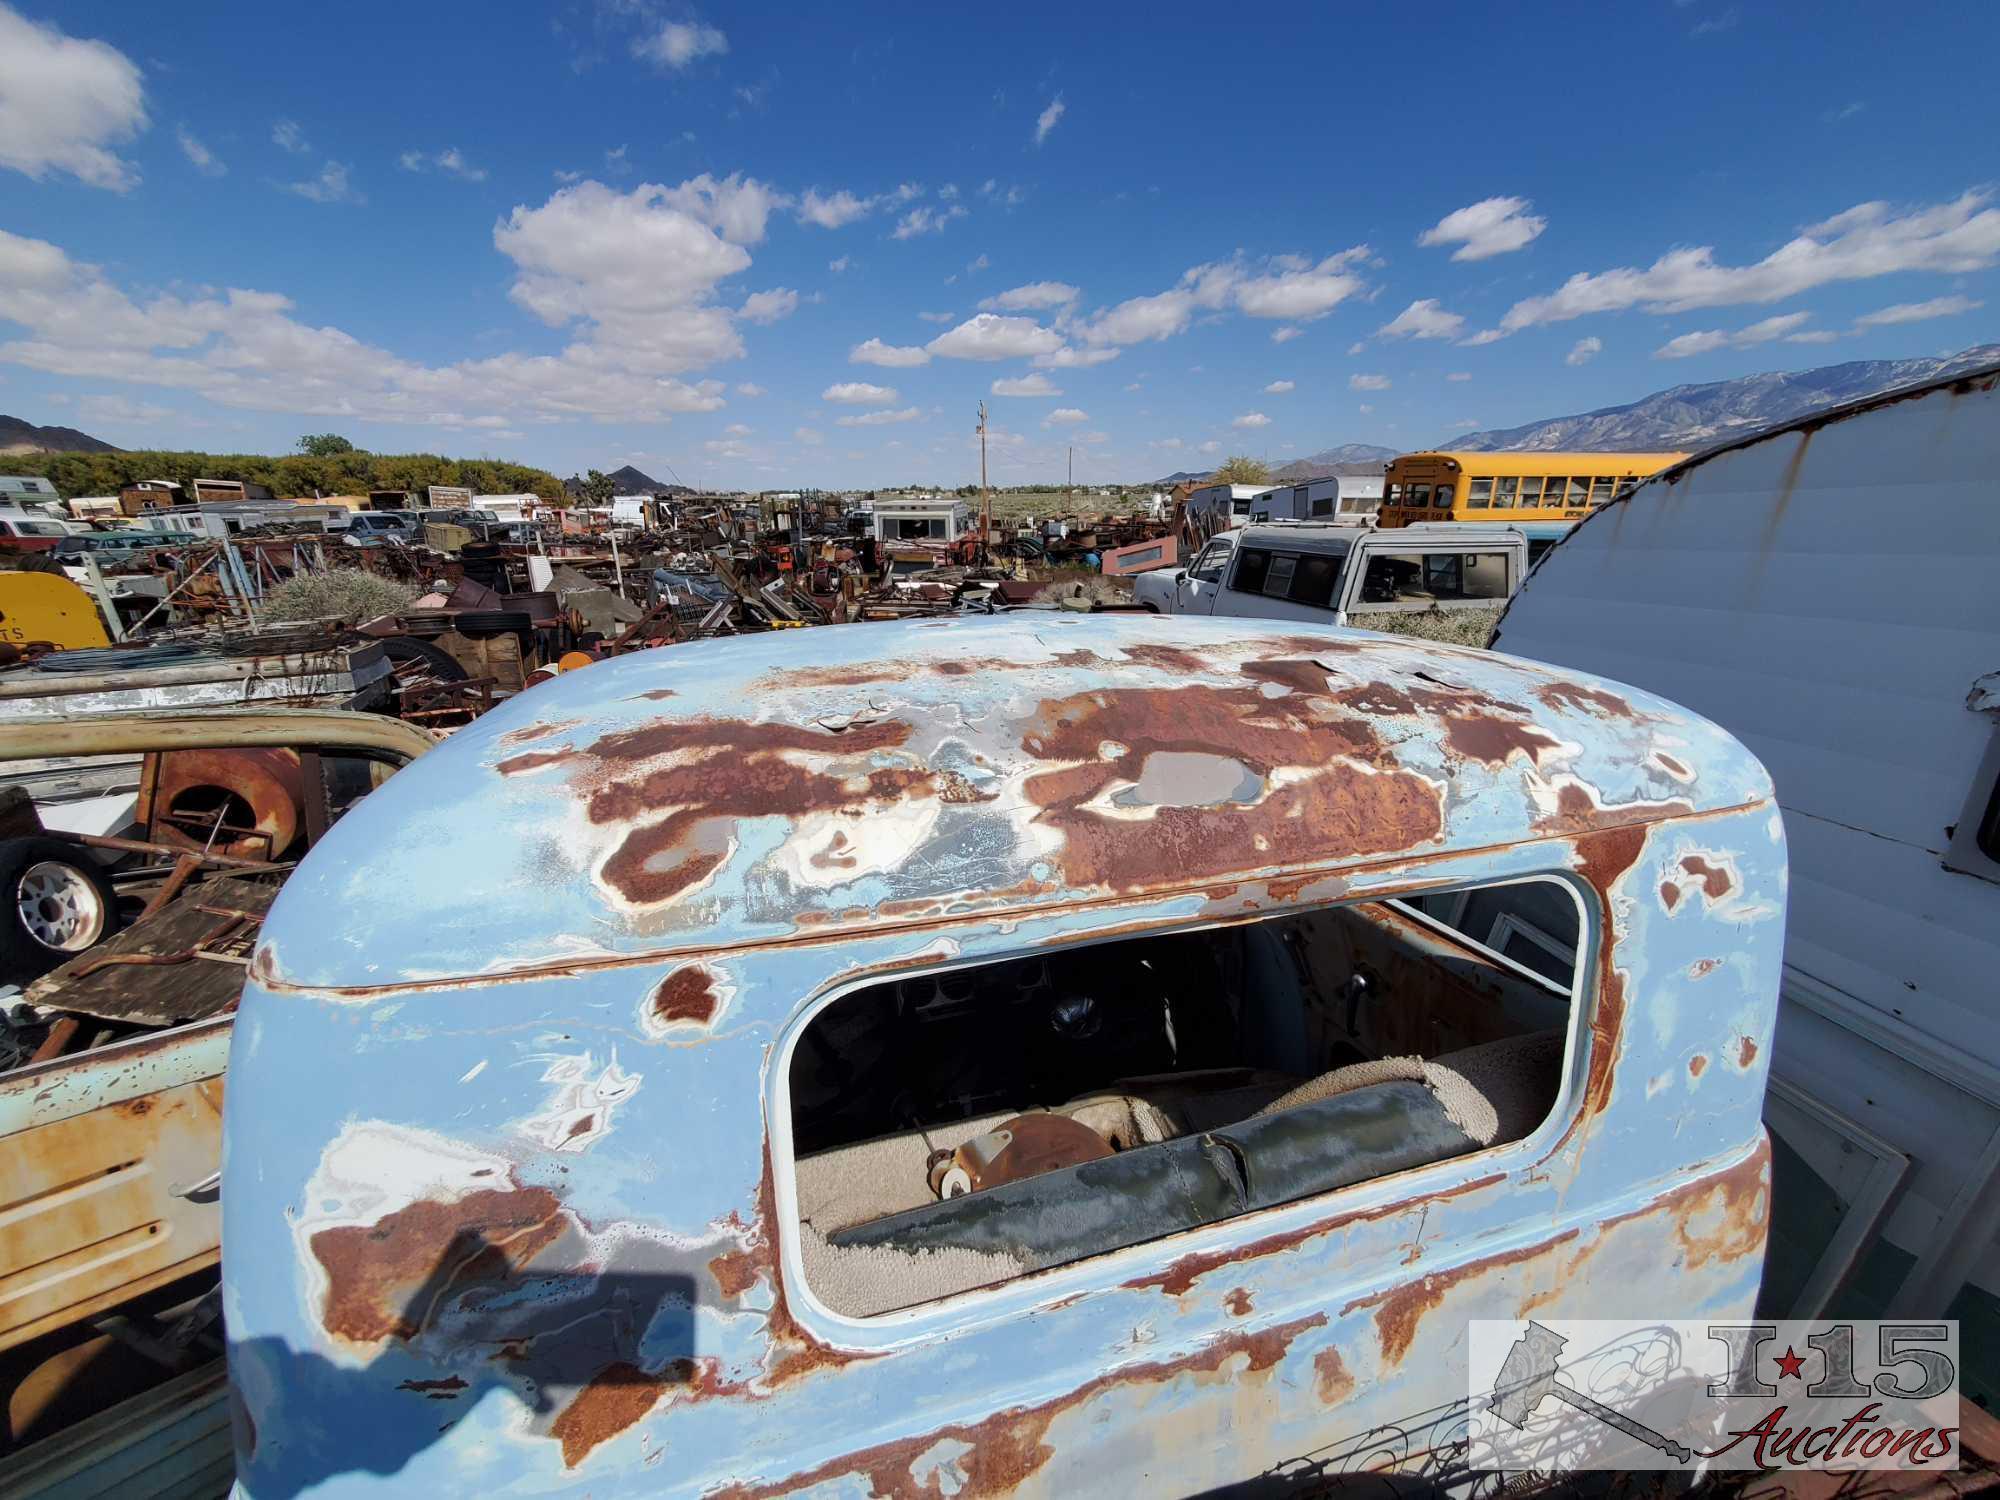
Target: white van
<point>1313,570</point>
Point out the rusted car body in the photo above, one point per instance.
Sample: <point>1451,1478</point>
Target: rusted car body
<point>569,1063</point>
<point>109,1155</point>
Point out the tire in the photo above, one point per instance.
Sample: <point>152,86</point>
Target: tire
<point>401,649</point>
<point>54,904</point>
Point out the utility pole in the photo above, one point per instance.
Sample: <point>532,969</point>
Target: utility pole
<point>985,494</point>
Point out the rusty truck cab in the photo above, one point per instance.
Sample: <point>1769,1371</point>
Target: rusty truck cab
<point>975,1056</point>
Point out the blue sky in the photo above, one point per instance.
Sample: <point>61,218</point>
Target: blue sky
<point>767,247</point>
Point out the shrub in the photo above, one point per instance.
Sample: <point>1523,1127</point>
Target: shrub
<point>346,595</point>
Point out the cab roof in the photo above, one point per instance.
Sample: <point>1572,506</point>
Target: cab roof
<point>850,778</point>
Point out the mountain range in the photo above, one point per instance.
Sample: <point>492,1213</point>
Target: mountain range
<point>1693,417</point>
<point>17,436</point>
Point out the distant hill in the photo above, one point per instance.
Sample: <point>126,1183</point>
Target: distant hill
<point>17,436</point>
<point>1699,416</point>
<point>1354,459</point>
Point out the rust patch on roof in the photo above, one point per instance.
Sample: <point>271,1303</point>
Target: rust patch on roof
<point>1177,659</point>
<point>722,771</point>
<point>385,1279</point>
<point>1238,1302</point>
<point>1697,1065</point>
<point>1298,674</point>
<point>1594,702</point>
<point>1671,764</point>
<point>1746,1052</point>
<point>1336,808</point>
<point>1701,968</point>
<point>656,695</point>
<point>1005,1449</point>
<point>1483,737</point>
<point>1715,881</point>
<point>1670,894</point>
<point>687,994</point>
<point>533,760</point>
<point>1578,812</point>
<point>1400,1311</point>
<point>617,1396</point>
<point>1331,1379</point>
<point>530,732</point>
<point>1606,854</point>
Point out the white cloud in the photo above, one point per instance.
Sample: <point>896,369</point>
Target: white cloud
<point>1812,336</point>
<point>1424,319</point>
<point>768,307</point>
<point>1358,347</point>
<point>1784,326</point>
<point>1726,21</point>
<point>1865,241</point>
<point>1916,312</point>
<point>450,160</point>
<point>1286,334</point>
<point>617,162</point>
<point>1211,446</point>
<point>1466,424</point>
<point>1365,409</point>
<point>810,436</point>
<point>1583,351</point>
<point>924,219</point>
<point>948,192</point>
<point>678,43</point>
<point>1279,387</point>
<point>584,258</point>
<point>748,388</point>
<point>1064,416</point>
<point>1035,295</point>
<point>331,186</point>
<point>990,336</point>
<point>839,265</point>
<point>858,393</point>
<point>64,102</point>
<point>1368,382</point>
<point>937,317</point>
<point>738,207</point>
<point>204,160</point>
<point>895,356</point>
<point>1168,443</point>
<point>833,210</point>
<point>1251,419</point>
<point>1492,226</point>
<point>1466,374</point>
<point>1046,120</point>
<point>973,267</point>
<point>1026,385</point>
<point>906,191</point>
<point>1068,358</point>
<point>879,418</point>
<point>736,429</point>
<point>287,135</point>
<point>97,409</point>
<point>1282,286</point>
<point>726,448</point>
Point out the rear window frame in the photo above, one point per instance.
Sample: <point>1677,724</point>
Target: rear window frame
<point>988,1305</point>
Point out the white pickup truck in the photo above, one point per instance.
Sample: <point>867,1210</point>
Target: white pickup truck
<point>1315,570</point>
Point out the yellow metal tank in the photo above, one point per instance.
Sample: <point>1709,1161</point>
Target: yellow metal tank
<point>47,608</point>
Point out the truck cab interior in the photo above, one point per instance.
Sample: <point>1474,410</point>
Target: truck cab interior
<point>960,1128</point>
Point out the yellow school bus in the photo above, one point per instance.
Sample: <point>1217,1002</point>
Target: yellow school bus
<point>1509,487</point>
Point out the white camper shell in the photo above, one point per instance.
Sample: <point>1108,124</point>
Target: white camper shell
<point>1327,572</point>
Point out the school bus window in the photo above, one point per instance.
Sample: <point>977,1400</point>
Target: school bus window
<point>1505,489</point>
<point>1393,495</point>
<point>1579,490</point>
<point>1531,492</point>
<point>1480,496</point>
<point>1420,495</point>
<point>1600,489</point>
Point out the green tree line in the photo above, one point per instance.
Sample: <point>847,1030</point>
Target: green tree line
<point>292,474</point>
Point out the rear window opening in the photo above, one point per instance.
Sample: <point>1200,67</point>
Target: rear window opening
<point>959,1129</point>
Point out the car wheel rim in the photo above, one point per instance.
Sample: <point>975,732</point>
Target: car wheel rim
<point>59,907</point>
